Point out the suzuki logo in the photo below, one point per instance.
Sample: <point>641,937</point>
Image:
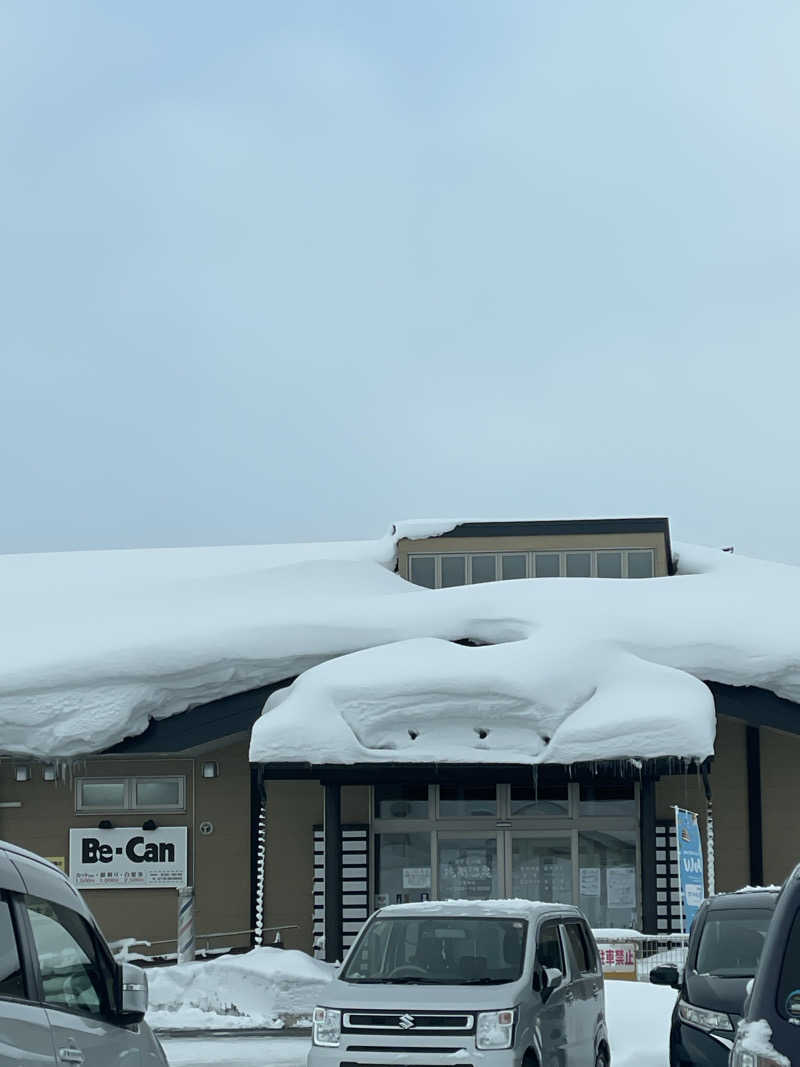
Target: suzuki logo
<point>406,1021</point>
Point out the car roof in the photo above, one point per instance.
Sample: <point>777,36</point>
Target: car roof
<point>17,850</point>
<point>750,897</point>
<point>490,909</point>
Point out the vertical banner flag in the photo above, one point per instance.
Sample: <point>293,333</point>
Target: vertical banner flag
<point>690,862</point>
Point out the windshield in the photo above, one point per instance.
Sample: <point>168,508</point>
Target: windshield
<point>731,942</point>
<point>442,950</point>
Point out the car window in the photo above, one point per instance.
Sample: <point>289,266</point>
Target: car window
<point>548,948</point>
<point>789,981</point>
<point>731,942</point>
<point>579,958</point>
<point>12,983</point>
<point>73,977</point>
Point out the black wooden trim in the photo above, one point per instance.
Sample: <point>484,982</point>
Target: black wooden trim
<point>558,527</point>
<point>333,872</point>
<point>474,773</point>
<point>754,814</point>
<point>201,724</point>
<point>647,846</point>
<point>758,707</point>
<point>256,788</point>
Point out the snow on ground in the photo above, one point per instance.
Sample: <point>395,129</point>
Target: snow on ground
<point>96,643</point>
<point>638,1018</point>
<point>260,988</point>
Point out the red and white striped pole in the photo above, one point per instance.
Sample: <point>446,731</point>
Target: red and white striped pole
<point>186,943</point>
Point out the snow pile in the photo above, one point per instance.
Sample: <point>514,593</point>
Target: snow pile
<point>638,1019</point>
<point>756,1038</point>
<point>260,988</point>
<point>94,644</point>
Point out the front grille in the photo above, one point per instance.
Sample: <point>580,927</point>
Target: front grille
<point>409,1022</point>
<point>405,1049</point>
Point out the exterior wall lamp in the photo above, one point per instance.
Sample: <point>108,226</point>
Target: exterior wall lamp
<point>49,772</point>
<point>22,772</point>
<point>210,769</point>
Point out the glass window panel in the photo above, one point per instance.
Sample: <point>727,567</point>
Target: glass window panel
<point>468,868</point>
<point>401,801</point>
<point>484,569</point>
<point>607,798</point>
<point>454,571</point>
<point>11,980</point>
<point>541,869</point>
<point>607,874</point>
<point>548,564</point>
<point>515,566</point>
<point>458,801</point>
<point>789,981</point>
<point>731,942</point>
<point>609,564</point>
<point>548,947</point>
<point>102,795</point>
<point>158,793</point>
<point>404,868</point>
<point>72,976</point>
<point>539,800</point>
<point>640,564</point>
<point>579,564</point>
<point>579,955</point>
<point>423,571</point>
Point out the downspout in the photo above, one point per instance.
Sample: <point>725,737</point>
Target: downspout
<point>705,767</point>
<point>260,853</point>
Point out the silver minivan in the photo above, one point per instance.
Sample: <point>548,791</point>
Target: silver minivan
<point>503,983</point>
<point>63,998</point>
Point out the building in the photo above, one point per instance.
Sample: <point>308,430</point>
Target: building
<point>592,831</point>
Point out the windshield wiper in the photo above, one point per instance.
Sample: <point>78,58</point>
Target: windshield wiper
<point>483,981</point>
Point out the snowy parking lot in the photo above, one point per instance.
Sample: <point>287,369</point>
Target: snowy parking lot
<point>638,1023</point>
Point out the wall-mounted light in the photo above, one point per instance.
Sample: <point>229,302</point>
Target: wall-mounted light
<point>22,772</point>
<point>105,824</point>
<point>210,769</point>
<point>150,824</point>
<point>49,772</point>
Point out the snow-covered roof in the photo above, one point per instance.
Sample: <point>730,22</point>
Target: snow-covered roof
<point>96,643</point>
<point>513,908</point>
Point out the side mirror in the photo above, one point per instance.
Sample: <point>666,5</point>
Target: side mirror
<point>666,975</point>
<point>132,994</point>
<point>552,978</point>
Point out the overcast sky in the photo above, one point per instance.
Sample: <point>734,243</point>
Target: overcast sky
<point>290,271</point>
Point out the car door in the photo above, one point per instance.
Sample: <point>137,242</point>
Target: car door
<point>25,1036</point>
<point>585,988</point>
<point>76,986</point>
<point>552,1024</point>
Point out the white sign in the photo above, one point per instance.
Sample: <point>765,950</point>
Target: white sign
<point>416,878</point>
<point>128,858</point>
<point>621,887</point>
<point>590,882</point>
<point>618,957</point>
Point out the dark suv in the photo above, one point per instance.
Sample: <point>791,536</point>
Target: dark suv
<point>770,1033</point>
<point>725,943</point>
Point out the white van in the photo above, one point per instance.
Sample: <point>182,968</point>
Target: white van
<point>63,998</point>
<point>503,983</point>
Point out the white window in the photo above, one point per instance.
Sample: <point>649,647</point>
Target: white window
<point>444,570</point>
<point>146,793</point>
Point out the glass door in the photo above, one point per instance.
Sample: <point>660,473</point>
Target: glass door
<point>540,867</point>
<point>469,866</point>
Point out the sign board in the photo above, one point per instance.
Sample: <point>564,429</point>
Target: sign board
<point>690,862</point>
<point>416,878</point>
<point>128,858</point>
<point>618,959</point>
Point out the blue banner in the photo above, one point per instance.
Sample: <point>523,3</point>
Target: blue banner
<point>690,863</point>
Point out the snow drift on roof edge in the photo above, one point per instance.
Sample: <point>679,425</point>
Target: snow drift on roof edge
<point>95,644</point>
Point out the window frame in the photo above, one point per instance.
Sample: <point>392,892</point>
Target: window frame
<point>105,962</point>
<point>23,958</point>
<point>530,564</point>
<point>129,799</point>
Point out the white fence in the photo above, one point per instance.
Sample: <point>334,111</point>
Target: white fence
<point>629,955</point>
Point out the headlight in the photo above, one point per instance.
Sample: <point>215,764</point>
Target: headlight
<point>702,1018</point>
<point>740,1058</point>
<point>495,1029</point>
<point>327,1026</point>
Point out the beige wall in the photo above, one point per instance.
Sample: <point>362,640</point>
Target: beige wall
<point>563,543</point>
<point>729,795</point>
<point>293,810</point>
<point>780,800</point>
<point>220,861</point>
